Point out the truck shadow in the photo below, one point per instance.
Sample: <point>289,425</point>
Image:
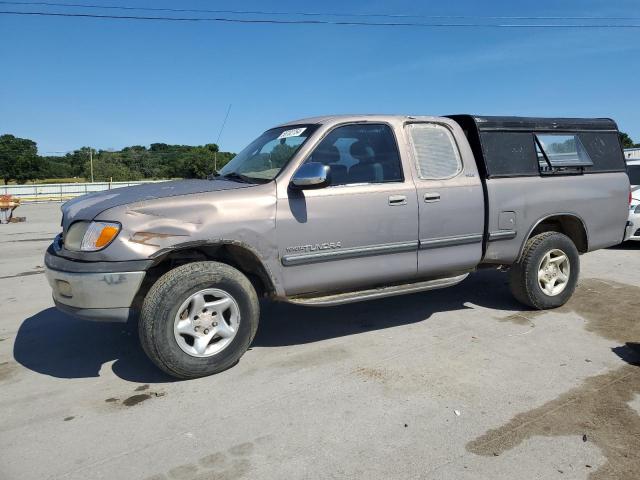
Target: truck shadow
<point>61,346</point>
<point>55,344</point>
<point>287,324</point>
<point>629,245</point>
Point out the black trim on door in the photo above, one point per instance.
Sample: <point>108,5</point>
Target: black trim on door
<point>342,254</point>
<point>450,241</point>
<point>502,235</point>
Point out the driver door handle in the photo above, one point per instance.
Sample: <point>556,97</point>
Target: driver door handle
<point>430,197</point>
<point>395,200</point>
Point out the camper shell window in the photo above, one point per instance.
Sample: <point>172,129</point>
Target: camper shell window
<point>559,153</point>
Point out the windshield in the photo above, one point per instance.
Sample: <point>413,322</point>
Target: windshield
<point>634,174</point>
<point>263,159</point>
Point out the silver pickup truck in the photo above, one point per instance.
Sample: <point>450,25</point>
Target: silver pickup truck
<point>337,209</point>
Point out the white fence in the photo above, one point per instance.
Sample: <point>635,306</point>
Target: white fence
<point>632,153</point>
<point>59,192</point>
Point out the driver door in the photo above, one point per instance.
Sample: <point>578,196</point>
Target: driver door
<point>362,229</point>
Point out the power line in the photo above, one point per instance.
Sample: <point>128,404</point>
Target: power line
<point>314,14</point>
<point>321,22</point>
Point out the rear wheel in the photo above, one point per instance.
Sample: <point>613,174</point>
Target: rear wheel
<point>547,274</point>
<point>199,319</point>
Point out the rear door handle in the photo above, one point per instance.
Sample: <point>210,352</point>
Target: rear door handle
<point>395,200</point>
<point>431,197</point>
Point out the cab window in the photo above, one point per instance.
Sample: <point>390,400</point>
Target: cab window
<point>360,153</point>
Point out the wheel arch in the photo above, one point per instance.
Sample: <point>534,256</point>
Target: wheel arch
<point>233,253</point>
<point>569,224</point>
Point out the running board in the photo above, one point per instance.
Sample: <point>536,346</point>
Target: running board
<point>375,293</point>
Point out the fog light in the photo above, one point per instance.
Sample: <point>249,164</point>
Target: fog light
<point>64,288</point>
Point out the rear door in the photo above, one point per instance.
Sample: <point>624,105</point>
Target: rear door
<point>450,199</point>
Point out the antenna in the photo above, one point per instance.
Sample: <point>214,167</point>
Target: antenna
<point>215,154</point>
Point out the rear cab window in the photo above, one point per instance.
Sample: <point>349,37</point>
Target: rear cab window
<point>435,151</point>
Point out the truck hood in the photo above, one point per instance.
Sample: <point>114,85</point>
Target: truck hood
<point>89,206</point>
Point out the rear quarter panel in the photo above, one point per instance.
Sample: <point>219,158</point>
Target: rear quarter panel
<point>600,200</point>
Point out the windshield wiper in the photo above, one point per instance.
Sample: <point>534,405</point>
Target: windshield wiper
<point>238,177</point>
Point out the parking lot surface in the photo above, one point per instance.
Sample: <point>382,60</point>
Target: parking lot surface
<point>460,383</point>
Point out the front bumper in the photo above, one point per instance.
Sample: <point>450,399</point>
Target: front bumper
<point>99,296</point>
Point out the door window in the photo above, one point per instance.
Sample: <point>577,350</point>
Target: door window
<point>360,153</point>
<point>435,151</point>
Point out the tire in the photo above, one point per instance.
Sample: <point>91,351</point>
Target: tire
<point>524,275</point>
<point>161,322</point>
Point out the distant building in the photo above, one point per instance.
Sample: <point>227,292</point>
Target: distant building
<point>632,153</point>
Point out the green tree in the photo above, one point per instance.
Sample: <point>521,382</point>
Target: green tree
<point>222,158</point>
<point>53,167</point>
<point>105,170</point>
<point>75,162</point>
<point>18,159</point>
<point>626,141</point>
<point>197,164</point>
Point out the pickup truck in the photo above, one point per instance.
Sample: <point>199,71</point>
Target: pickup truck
<point>330,210</point>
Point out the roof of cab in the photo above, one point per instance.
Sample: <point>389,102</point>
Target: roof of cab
<point>355,118</point>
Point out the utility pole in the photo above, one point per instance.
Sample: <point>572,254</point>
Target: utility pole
<point>91,162</point>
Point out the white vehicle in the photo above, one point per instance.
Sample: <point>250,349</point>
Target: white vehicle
<point>633,229</point>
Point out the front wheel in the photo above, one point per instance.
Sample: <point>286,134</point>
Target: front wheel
<point>199,319</point>
<point>547,274</point>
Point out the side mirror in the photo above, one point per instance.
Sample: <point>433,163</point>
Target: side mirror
<point>311,175</point>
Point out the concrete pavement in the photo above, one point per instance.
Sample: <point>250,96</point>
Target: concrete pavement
<point>461,383</point>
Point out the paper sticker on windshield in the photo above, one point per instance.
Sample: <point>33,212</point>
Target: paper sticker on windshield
<point>294,132</point>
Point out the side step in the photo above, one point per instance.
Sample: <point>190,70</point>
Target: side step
<point>374,293</point>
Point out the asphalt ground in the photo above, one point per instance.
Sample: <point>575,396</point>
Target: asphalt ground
<point>460,383</point>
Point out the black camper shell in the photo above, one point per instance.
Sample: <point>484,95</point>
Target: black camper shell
<point>530,146</point>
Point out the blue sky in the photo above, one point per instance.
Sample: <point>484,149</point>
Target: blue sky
<point>69,82</point>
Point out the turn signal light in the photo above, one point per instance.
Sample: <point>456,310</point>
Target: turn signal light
<point>99,235</point>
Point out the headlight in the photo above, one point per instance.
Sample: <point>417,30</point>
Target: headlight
<point>90,236</point>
